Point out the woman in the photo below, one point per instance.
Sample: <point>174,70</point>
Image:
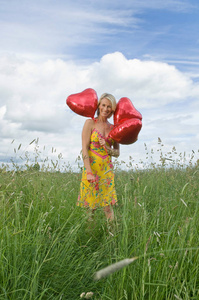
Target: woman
<point>97,187</point>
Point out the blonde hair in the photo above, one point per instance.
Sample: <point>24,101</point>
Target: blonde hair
<point>111,98</point>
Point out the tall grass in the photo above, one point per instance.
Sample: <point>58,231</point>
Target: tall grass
<point>50,248</point>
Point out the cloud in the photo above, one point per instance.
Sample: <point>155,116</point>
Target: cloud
<point>148,82</point>
<point>45,27</point>
<point>33,101</point>
<point>35,27</point>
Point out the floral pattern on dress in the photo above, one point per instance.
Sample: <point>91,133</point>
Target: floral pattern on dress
<point>102,191</point>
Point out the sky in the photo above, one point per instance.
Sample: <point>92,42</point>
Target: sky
<point>144,50</point>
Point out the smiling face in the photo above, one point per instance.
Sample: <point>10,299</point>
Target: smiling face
<point>105,108</point>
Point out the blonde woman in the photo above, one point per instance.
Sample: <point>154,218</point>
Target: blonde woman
<point>97,188</point>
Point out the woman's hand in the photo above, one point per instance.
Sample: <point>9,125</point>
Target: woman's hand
<point>90,177</point>
<point>111,151</point>
<point>102,142</point>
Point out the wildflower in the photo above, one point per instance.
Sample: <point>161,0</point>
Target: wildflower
<point>82,295</point>
<point>89,295</point>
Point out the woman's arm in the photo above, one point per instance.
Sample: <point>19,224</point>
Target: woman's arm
<point>86,136</point>
<point>116,149</point>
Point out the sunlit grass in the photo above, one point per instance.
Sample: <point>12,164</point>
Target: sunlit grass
<point>51,250</point>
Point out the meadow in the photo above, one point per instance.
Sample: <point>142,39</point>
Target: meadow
<point>51,249</point>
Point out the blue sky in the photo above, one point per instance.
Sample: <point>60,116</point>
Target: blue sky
<point>90,29</point>
<point>145,50</point>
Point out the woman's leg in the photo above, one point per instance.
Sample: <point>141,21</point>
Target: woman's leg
<point>109,213</point>
<point>90,214</point>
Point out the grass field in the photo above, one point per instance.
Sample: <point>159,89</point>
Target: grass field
<point>50,249</point>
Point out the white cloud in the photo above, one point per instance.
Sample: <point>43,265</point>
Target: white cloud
<point>33,102</point>
<point>147,82</point>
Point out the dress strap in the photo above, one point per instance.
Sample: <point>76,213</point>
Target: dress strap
<point>94,119</point>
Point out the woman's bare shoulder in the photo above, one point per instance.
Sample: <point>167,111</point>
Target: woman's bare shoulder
<point>89,123</point>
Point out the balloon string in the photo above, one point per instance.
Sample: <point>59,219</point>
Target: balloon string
<point>105,149</point>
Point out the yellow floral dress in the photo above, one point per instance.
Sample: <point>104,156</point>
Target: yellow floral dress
<point>102,191</point>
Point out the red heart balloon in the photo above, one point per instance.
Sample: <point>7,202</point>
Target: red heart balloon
<point>125,110</point>
<point>126,132</point>
<point>84,103</point>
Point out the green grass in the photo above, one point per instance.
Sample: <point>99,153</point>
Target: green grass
<point>50,250</point>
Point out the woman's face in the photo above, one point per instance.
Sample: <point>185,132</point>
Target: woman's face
<point>105,108</point>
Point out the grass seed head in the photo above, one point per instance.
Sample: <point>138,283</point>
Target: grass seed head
<point>89,295</point>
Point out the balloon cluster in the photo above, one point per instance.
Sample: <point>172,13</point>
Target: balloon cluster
<point>127,120</point>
